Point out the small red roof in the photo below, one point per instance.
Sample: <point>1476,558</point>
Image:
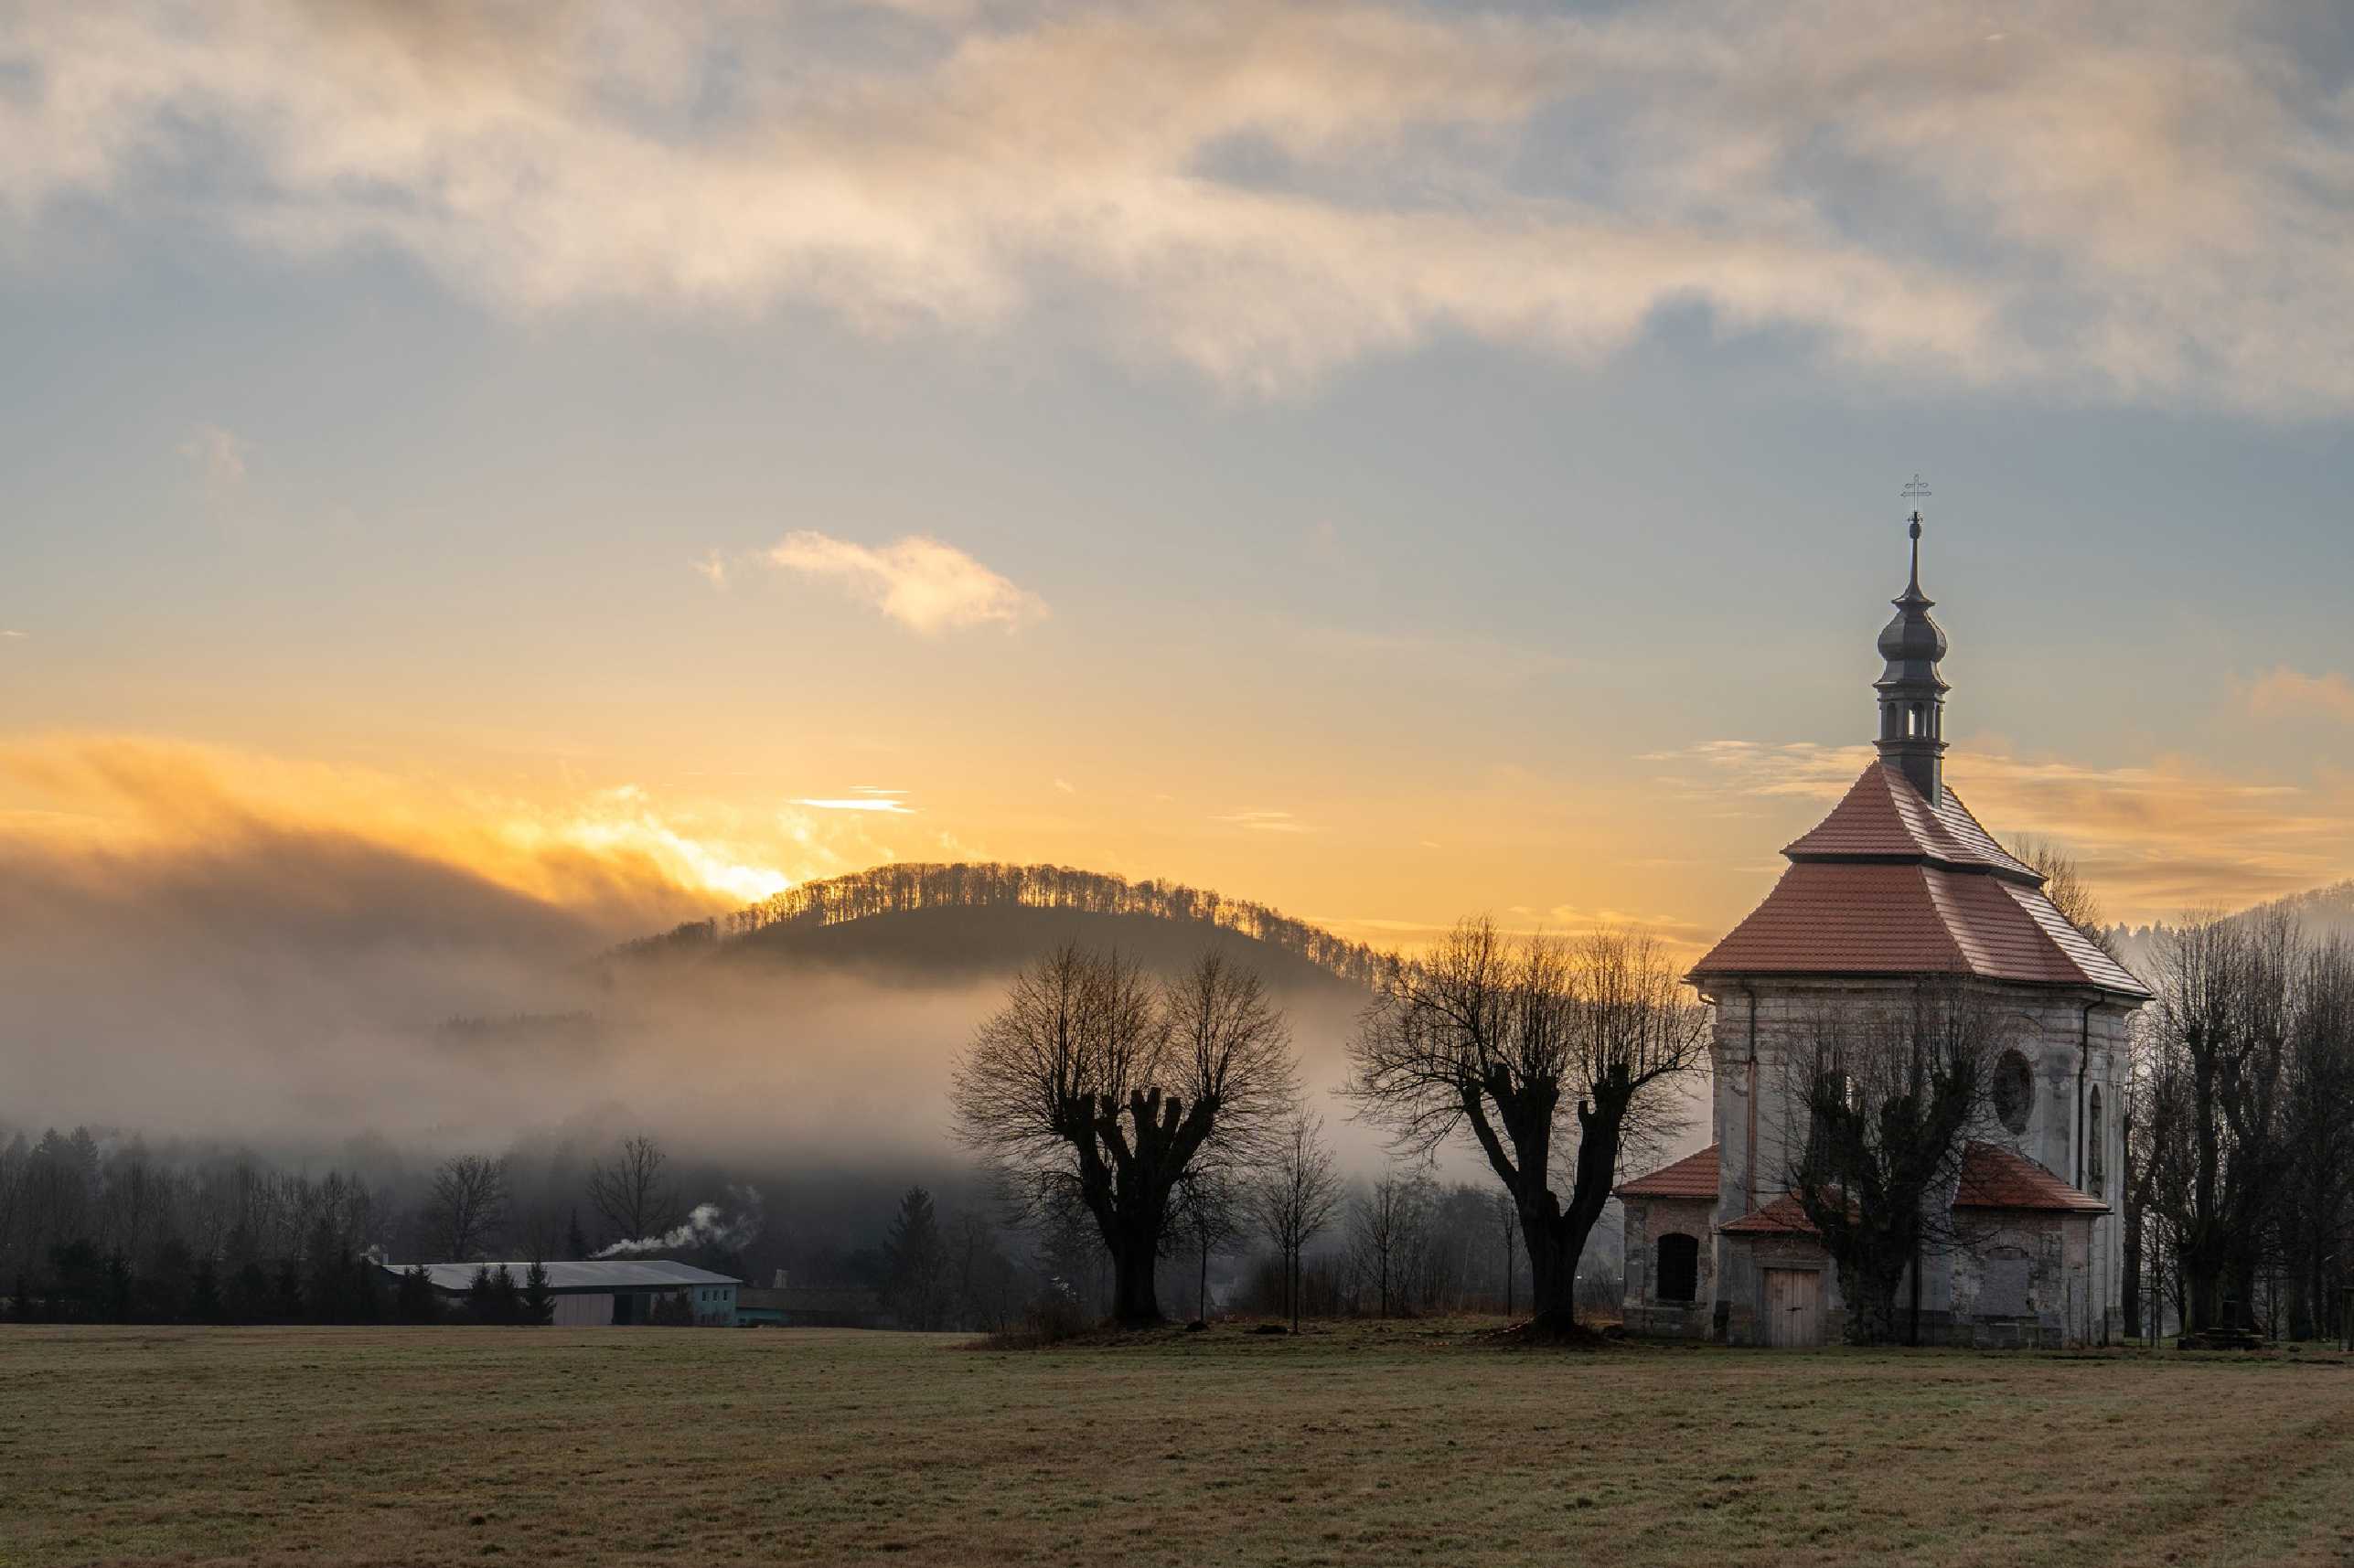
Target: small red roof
<point>1884,814</point>
<point>1890,885</point>
<point>1995,1178</point>
<point>1694,1175</point>
<point>1783,1217</point>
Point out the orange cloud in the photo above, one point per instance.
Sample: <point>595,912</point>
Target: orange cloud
<point>634,863</point>
<point>2286,693</point>
<point>2155,840</point>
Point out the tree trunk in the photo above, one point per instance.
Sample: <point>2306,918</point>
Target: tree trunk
<point>2132,1283</point>
<point>1871,1293</point>
<point>1552,1272</point>
<point>1134,1300</point>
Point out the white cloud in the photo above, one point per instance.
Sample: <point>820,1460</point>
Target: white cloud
<point>2137,200</point>
<point>219,456</point>
<point>713,568</point>
<point>15,637</point>
<point>1067,786</point>
<point>1265,822</point>
<point>926,586</point>
<point>865,797</point>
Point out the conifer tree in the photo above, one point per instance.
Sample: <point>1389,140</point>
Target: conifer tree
<point>537,1305</point>
<point>412,1299</point>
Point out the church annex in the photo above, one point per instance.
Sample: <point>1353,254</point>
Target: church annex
<point>1896,887</point>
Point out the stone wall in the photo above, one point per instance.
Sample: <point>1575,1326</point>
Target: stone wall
<point>1759,1127</point>
<point>2026,1280</point>
<point>1647,1219</point>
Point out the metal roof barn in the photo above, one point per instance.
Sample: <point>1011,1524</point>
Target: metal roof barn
<point>603,1291</point>
<point>616,1273</point>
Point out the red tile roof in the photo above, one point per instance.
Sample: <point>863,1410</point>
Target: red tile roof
<point>1889,885</point>
<point>1694,1175</point>
<point>1995,1178</point>
<point>1783,1217</point>
<point>1883,815</point>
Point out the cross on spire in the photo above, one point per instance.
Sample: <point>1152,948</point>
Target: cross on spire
<point>1916,492</point>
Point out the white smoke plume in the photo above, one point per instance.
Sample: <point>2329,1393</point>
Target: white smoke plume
<point>704,1226</point>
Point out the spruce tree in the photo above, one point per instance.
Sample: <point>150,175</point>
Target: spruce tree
<point>918,1263</point>
<point>506,1303</point>
<point>414,1300</point>
<point>537,1305</point>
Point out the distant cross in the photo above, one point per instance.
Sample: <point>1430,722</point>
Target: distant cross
<point>1916,492</point>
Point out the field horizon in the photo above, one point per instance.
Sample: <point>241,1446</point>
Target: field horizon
<point>1388,1442</point>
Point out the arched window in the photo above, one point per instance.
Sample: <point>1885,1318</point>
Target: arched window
<point>1678,1276</point>
<point>2096,1152</point>
<point>2014,1090</point>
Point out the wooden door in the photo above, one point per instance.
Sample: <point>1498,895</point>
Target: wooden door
<point>1794,1307</point>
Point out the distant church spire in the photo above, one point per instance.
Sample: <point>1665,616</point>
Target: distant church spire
<point>1912,693</point>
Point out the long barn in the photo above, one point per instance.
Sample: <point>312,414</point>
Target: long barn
<point>596,1293</point>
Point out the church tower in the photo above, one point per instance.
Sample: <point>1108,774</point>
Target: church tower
<point>1912,693</point>
<point>1897,890</point>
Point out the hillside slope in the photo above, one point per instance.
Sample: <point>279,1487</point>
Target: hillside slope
<point>954,924</point>
<point>2320,913</point>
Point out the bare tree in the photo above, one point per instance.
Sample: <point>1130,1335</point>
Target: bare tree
<point>1505,1037</point>
<point>1209,1215</point>
<point>467,1205</point>
<point>1507,1214</point>
<point>1295,1196</point>
<point>2064,883</point>
<point>632,1194</point>
<point>1094,1086</point>
<point>2217,1161</point>
<point>1386,1226</point>
<point>1893,1095</point>
<point>2317,1125</point>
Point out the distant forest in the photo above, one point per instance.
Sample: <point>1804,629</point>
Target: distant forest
<point>918,885</point>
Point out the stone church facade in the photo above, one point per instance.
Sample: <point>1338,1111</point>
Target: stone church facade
<point>1897,888</point>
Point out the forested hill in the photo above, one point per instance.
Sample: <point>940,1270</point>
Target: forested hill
<point>985,916</point>
<point>2319,913</point>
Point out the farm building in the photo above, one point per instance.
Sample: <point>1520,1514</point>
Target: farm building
<point>607,1291</point>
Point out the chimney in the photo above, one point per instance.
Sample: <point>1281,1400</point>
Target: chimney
<point>780,1281</point>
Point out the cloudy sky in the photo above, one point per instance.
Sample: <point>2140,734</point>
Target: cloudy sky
<point>1389,462</point>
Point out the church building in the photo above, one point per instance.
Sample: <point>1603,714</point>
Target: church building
<point>1900,887</point>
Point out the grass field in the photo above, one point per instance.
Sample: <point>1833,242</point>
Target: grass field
<point>1360,1445</point>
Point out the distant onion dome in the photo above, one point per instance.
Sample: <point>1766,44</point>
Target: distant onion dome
<point>1912,693</point>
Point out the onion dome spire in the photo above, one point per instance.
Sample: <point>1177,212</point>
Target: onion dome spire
<point>1912,693</point>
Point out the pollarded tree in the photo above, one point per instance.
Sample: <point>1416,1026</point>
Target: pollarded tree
<point>1893,1095</point>
<point>1531,1044</point>
<point>2219,1163</point>
<point>1095,1086</point>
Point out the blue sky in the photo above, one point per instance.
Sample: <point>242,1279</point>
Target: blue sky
<point>1388,461</point>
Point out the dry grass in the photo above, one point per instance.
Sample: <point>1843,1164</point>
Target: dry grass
<point>1357,1446</point>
